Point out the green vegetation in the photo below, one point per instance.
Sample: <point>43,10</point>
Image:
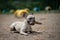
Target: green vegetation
<point>18,4</point>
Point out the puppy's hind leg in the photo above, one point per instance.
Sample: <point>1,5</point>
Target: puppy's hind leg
<point>23,32</point>
<point>12,28</point>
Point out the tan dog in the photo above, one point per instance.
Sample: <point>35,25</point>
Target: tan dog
<point>21,13</point>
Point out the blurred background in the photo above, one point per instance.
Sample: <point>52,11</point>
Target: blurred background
<point>37,5</point>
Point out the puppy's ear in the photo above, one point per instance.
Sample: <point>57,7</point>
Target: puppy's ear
<point>25,16</point>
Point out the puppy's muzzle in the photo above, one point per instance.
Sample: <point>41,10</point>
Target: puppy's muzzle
<point>32,22</point>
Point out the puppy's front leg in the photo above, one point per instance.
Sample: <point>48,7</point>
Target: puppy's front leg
<point>30,30</point>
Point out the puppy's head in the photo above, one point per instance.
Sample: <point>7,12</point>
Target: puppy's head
<point>30,19</point>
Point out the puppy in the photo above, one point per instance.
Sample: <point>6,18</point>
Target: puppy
<point>25,26</point>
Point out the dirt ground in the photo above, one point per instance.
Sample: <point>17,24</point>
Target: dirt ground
<point>48,30</point>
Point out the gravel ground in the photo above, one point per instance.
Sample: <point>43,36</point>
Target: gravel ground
<point>48,30</point>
